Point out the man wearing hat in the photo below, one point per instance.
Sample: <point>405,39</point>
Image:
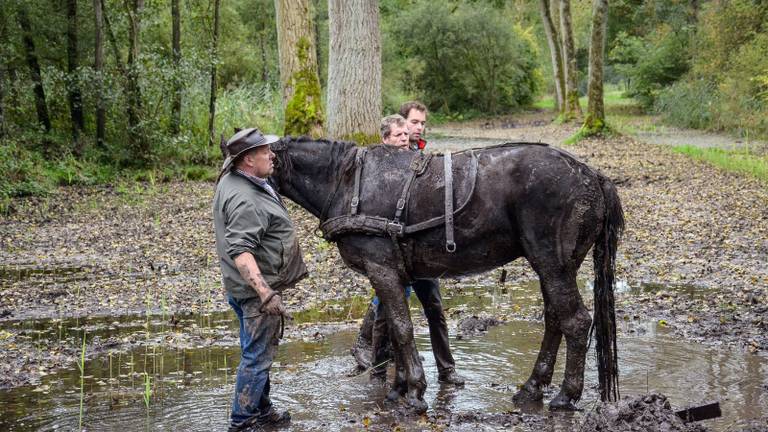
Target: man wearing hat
<point>259,256</point>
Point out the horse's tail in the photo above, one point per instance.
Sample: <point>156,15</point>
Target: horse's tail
<point>604,322</point>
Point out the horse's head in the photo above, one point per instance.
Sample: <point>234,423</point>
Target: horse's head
<point>307,170</point>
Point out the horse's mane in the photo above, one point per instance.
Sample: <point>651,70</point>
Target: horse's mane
<point>337,151</point>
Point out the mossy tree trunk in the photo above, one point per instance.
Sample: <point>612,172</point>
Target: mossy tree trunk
<point>302,100</point>
<point>553,40</point>
<point>354,70</point>
<point>595,120</point>
<point>572,107</point>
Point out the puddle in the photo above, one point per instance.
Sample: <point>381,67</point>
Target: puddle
<point>59,274</point>
<point>192,387</point>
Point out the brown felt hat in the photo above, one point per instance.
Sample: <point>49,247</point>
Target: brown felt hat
<point>242,141</point>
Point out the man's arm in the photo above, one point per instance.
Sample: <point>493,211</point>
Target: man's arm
<point>249,270</point>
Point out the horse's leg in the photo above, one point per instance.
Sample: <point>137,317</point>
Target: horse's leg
<point>389,289</point>
<point>574,321</point>
<point>544,367</point>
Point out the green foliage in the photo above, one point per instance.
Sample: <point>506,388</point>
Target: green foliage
<point>688,103</point>
<point>727,87</point>
<point>462,57</point>
<point>19,173</point>
<point>651,62</point>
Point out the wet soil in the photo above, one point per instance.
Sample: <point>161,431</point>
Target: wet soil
<point>693,261</point>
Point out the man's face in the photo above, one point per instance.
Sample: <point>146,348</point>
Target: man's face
<point>398,136</point>
<point>261,161</point>
<point>416,122</point>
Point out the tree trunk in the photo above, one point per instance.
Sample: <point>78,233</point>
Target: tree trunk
<point>112,40</point>
<point>595,121</point>
<point>298,68</point>
<point>214,55</point>
<point>572,107</point>
<point>73,88</point>
<point>98,66</point>
<point>553,40</point>
<point>138,142</point>
<point>3,72</point>
<point>34,68</point>
<point>354,70</point>
<point>176,48</point>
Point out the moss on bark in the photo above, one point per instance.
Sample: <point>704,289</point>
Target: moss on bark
<point>304,112</point>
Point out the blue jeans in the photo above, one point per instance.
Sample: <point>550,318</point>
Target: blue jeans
<point>259,336</point>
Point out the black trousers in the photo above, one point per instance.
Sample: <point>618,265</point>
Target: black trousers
<point>428,293</point>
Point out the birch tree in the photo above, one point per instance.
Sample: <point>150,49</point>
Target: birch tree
<point>572,107</point>
<point>553,40</point>
<point>595,120</point>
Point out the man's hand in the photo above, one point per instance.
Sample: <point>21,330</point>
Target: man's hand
<point>273,305</point>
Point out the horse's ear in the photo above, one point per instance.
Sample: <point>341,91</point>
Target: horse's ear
<point>223,146</point>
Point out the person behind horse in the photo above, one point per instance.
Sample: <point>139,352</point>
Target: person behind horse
<point>394,131</point>
<point>427,290</point>
<point>260,258</point>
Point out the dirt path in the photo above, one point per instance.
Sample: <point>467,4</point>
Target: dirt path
<point>695,252</point>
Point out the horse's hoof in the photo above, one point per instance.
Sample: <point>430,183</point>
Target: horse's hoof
<point>417,405</point>
<point>394,394</point>
<point>527,395</point>
<point>561,402</point>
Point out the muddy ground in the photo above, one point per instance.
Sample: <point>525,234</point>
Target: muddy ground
<point>694,256</point>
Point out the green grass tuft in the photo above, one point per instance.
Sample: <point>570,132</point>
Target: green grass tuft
<point>738,161</point>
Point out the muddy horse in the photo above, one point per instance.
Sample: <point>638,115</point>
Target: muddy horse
<point>386,211</point>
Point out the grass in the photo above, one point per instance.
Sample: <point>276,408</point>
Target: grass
<point>81,365</point>
<point>739,161</point>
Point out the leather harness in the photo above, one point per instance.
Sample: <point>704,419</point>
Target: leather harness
<point>354,223</point>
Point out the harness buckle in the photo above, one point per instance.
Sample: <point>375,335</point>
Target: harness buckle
<point>355,202</point>
<point>450,246</point>
<point>394,228</point>
<point>400,204</point>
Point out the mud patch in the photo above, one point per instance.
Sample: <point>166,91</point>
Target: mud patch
<point>474,325</point>
<point>651,413</point>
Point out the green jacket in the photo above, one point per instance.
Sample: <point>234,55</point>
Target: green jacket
<point>248,219</point>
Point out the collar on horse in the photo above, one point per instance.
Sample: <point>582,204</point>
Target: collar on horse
<point>353,223</point>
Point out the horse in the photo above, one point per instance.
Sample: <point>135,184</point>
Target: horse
<point>515,200</point>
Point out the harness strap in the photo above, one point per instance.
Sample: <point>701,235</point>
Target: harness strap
<point>418,165</point>
<point>439,220</point>
<point>338,226</point>
<point>450,245</point>
<point>360,159</point>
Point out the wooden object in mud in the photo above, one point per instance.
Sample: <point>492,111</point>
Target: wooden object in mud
<point>703,412</point>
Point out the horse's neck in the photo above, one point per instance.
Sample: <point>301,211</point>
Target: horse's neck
<point>313,194</point>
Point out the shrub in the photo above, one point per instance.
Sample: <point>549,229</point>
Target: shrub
<point>466,57</point>
<point>652,62</point>
<point>690,104</point>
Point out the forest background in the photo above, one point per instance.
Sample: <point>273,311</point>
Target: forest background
<point>697,63</point>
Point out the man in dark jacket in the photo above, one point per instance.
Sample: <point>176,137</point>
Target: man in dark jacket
<point>372,345</point>
<point>260,258</point>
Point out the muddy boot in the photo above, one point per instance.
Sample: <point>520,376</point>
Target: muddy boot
<point>362,349</point>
